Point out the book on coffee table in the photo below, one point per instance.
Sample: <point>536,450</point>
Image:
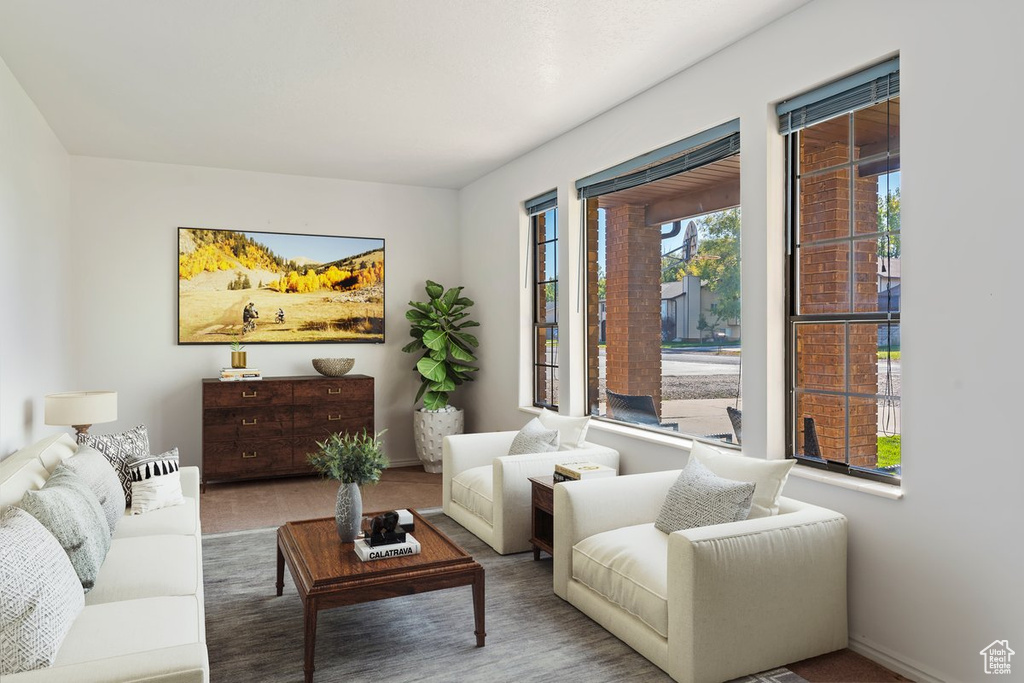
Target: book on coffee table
<point>365,552</point>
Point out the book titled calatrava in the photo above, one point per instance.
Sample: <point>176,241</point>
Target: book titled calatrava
<point>365,552</point>
<point>574,471</point>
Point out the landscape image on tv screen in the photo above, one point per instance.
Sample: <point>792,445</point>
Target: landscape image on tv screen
<point>268,287</point>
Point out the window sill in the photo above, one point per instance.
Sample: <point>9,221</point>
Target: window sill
<point>873,488</point>
<point>669,439</point>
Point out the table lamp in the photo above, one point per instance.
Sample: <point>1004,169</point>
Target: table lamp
<point>81,409</point>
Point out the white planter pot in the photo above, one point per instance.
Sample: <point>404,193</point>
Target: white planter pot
<point>429,430</point>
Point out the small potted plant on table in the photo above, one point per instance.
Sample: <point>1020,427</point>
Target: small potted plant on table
<point>353,460</point>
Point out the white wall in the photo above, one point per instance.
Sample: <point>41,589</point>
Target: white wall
<point>125,220</point>
<point>934,577</point>
<point>34,297</point>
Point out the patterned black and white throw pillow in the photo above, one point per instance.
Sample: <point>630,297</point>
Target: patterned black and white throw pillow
<point>42,595</point>
<point>156,482</point>
<point>699,497</point>
<point>119,448</point>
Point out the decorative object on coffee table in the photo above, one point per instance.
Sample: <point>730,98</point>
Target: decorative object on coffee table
<point>438,330</point>
<point>384,530</point>
<point>333,367</point>
<point>354,460</point>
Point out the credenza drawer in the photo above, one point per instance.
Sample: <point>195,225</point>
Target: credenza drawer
<point>340,390</point>
<point>332,417</point>
<point>259,393</point>
<point>247,423</point>
<point>247,458</point>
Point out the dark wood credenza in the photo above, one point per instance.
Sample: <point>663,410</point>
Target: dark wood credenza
<point>264,429</point>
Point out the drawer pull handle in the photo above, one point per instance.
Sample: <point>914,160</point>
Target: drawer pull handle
<point>334,391</point>
<point>248,394</point>
<point>248,455</point>
<point>248,424</point>
<point>334,418</point>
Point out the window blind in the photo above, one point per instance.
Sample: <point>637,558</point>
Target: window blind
<point>864,89</point>
<point>698,150</point>
<point>542,203</point>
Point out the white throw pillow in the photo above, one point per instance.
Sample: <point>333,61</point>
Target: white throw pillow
<point>769,475</point>
<point>534,438</point>
<point>572,430</point>
<point>42,595</point>
<point>156,482</point>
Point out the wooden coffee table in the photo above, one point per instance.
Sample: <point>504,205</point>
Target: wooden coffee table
<point>328,574</point>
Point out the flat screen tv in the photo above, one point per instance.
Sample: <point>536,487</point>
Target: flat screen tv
<point>270,287</point>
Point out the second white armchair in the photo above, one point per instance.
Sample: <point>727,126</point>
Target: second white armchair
<point>488,491</point>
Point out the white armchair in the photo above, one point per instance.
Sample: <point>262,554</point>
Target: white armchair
<point>488,492</point>
<point>704,604</point>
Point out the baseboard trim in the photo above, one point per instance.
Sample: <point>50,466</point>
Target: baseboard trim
<point>915,671</point>
<point>404,463</point>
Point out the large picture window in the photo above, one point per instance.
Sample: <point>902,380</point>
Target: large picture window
<point>663,288</point>
<point>845,282</point>
<point>543,212</point>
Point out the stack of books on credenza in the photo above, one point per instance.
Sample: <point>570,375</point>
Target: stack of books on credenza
<point>574,471</point>
<point>239,374</point>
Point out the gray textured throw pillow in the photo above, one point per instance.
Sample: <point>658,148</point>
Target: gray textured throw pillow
<point>534,438</point>
<point>119,449</point>
<point>95,470</point>
<point>702,498</point>
<point>68,509</point>
<point>41,594</point>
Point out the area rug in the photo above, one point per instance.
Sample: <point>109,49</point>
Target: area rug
<point>532,635</point>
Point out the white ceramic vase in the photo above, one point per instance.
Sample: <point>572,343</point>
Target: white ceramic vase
<point>429,430</point>
<point>348,512</point>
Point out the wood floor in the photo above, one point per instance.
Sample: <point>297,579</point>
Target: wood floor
<point>261,504</point>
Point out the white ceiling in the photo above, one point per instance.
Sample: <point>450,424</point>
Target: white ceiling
<point>429,92</point>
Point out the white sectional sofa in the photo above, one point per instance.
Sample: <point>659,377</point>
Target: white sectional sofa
<point>705,604</point>
<point>145,618</point>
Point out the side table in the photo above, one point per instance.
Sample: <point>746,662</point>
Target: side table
<point>543,506</point>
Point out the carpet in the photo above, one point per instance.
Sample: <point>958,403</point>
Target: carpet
<point>532,635</point>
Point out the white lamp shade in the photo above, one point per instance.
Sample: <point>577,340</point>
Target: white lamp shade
<point>81,408</point>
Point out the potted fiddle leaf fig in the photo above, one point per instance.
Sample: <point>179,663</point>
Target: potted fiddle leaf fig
<point>448,359</point>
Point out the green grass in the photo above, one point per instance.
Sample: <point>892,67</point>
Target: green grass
<point>689,344</point>
<point>895,355</point>
<point>888,451</point>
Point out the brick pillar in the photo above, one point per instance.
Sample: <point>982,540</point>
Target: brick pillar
<point>824,270</point>
<point>633,303</point>
<point>593,322</point>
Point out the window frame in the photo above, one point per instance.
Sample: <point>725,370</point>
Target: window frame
<point>793,316</point>
<point>537,246</point>
<point>708,146</point>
